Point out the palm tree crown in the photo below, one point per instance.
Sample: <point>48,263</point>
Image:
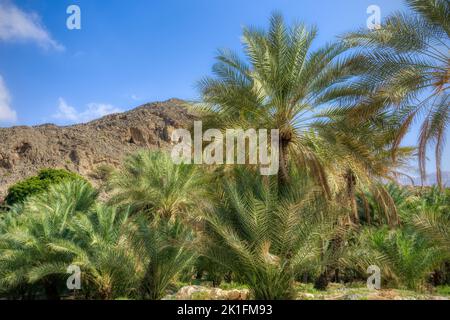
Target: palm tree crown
<point>279,86</point>
<point>408,71</point>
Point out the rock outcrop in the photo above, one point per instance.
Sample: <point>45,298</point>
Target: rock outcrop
<point>206,293</point>
<point>83,147</point>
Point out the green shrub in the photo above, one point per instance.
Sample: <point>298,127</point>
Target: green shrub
<point>407,256</point>
<point>443,290</point>
<point>37,184</point>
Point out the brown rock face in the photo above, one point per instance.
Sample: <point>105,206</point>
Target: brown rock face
<point>83,147</point>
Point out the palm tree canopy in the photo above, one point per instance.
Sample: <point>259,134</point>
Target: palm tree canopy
<point>279,85</point>
<point>150,182</point>
<point>406,71</point>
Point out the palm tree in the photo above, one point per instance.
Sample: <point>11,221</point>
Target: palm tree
<point>407,72</point>
<point>279,86</point>
<point>101,246</point>
<point>385,204</point>
<point>431,217</point>
<point>118,256</point>
<point>357,158</point>
<point>406,256</point>
<point>150,182</point>
<point>166,248</point>
<point>266,238</point>
<point>27,240</point>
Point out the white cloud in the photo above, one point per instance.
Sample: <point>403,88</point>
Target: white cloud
<point>7,114</point>
<point>17,25</point>
<point>93,111</point>
<point>66,112</point>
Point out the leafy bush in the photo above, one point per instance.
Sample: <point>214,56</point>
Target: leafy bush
<point>37,184</point>
<point>443,290</point>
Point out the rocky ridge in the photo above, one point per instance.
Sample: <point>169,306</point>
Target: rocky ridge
<point>84,147</point>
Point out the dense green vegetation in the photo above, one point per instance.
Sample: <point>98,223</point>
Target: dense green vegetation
<point>333,209</point>
<point>37,184</point>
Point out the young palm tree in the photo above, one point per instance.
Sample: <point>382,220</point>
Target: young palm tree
<point>279,86</point>
<point>27,241</point>
<point>150,182</point>
<point>431,217</point>
<point>407,256</point>
<point>166,249</point>
<point>118,257</point>
<point>435,226</point>
<point>407,71</point>
<point>266,238</point>
<point>101,246</point>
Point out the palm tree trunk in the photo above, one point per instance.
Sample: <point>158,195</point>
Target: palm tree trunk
<point>321,283</point>
<point>366,209</point>
<point>283,175</point>
<point>351,195</point>
<point>51,291</point>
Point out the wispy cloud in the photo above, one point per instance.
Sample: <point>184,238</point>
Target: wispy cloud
<point>92,111</point>
<point>7,114</point>
<point>17,25</point>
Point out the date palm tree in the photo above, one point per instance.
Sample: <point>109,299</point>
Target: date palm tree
<point>27,255</point>
<point>279,85</point>
<point>358,158</point>
<point>101,247</point>
<point>407,72</point>
<point>151,182</point>
<point>407,256</point>
<point>432,217</point>
<point>266,238</point>
<point>118,256</point>
<point>166,247</point>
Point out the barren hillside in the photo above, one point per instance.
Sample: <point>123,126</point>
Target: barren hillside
<point>83,147</point>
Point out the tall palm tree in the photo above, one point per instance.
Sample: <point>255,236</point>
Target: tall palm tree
<point>357,158</point>
<point>408,72</point>
<point>279,86</point>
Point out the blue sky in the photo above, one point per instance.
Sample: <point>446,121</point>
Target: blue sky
<point>131,52</point>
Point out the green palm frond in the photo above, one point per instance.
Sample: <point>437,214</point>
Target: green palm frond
<point>267,238</point>
<point>281,82</point>
<point>407,70</point>
<point>151,182</point>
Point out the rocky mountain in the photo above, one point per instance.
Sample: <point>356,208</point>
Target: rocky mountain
<point>83,147</point>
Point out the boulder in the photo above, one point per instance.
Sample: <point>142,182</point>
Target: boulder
<point>205,293</point>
